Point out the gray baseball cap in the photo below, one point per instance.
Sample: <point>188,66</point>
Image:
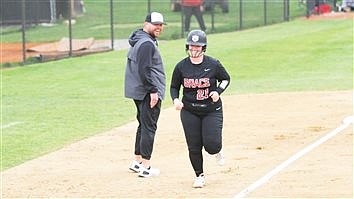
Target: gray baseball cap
<point>155,18</point>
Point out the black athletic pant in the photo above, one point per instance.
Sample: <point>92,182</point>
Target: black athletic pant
<point>202,130</point>
<point>193,10</point>
<point>145,134</point>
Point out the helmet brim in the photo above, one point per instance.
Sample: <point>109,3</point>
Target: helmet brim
<point>195,44</point>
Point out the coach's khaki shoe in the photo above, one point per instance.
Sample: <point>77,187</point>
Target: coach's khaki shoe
<point>199,181</point>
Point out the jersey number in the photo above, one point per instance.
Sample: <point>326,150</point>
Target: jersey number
<point>202,94</point>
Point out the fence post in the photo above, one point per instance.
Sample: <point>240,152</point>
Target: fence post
<point>23,10</point>
<point>112,25</point>
<point>70,31</point>
<point>36,19</point>
<point>265,12</point>
<point>149,6</point>
<point>241,25</point>
<point>286,10</point>
<point>212,18</point>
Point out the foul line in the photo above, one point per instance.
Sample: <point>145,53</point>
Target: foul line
<point>345,123</point>
<point>11,124</point>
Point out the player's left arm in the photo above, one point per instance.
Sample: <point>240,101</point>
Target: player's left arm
<point>223,79</point>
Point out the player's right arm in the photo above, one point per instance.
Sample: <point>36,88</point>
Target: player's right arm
<point>176,82</point>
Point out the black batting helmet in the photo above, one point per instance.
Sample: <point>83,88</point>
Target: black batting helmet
<point>196,38</point>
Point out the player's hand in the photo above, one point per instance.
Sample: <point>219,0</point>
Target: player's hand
<point>154,98</point>
<point>178,104</point>
<point>214,96</point>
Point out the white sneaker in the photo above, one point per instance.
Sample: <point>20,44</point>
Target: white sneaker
<point>220,158</point>
<point>135,166</point>
<point>199,181</point>
<point>144,172</point>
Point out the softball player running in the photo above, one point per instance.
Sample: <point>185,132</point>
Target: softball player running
<point>203,79</point>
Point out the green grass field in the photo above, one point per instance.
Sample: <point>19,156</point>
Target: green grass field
<point>57,103</point>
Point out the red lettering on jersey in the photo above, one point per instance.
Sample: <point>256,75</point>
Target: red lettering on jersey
<point>186,83</point>
<point>196,83</point>
<point>204,82</point>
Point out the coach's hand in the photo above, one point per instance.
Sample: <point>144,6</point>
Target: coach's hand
<point>214,96</point>
<point>178,104</point>
<point>154,98</point>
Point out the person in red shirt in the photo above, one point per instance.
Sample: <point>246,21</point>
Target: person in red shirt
<point>193,7</point>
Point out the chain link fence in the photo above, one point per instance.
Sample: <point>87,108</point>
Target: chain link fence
<point>80,24</point>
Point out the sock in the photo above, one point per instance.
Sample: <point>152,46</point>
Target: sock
<point>198,173</point>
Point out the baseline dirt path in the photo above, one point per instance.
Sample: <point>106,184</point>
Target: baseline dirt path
<point>261,131</point>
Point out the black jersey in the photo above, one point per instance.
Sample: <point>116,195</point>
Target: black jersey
<point>198,81</point>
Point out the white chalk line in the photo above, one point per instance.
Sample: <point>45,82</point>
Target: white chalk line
<point>11,124</point>
<point>346,122</point>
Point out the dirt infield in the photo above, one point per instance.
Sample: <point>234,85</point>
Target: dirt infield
<point>12,52</point>
<point>260,132</point>
<point>332,15</point>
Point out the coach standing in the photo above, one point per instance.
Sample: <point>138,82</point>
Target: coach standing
<point>145,83</point>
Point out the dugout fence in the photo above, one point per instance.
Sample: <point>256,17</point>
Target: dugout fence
<point>106,21</point>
